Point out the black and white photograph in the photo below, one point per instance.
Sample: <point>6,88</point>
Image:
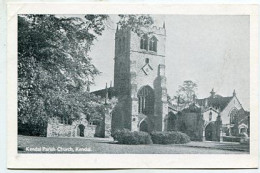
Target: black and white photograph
<point>139,84</point>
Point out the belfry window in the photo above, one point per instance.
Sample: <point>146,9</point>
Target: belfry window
<point>144,42</point>
<point>148,44</point>
<point>153,44</point>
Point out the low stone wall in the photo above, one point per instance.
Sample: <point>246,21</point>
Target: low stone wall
<point>55,129</point>
<point>60,130</point>
<point>90,131</point>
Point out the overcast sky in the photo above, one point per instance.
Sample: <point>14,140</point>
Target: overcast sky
<point>212,51</point>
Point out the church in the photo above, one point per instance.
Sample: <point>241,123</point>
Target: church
<point>140,87</point>
<point>141,92</point>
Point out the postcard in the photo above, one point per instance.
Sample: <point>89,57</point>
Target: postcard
<point>103,85</point>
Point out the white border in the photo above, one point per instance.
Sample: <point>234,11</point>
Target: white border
<point>78,161</point>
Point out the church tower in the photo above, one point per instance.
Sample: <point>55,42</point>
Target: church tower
<point>139,80</point>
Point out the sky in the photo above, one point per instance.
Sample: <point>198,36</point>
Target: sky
<point>212,51</point>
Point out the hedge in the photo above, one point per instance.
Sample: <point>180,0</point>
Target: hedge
<point>231,139</point>
<point>169,137</point>
<point>32,130</point>
<point>194,135</point>
<point>125,136</point>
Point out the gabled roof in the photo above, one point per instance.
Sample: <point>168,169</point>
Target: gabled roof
<point>216,101</point>
<point>102,93</point>
<point>193,108</point>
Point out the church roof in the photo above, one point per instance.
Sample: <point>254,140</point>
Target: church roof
<point>102,93</point>
<point>216,101</point>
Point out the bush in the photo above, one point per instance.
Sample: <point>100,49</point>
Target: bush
<point>231,139</point>
<point>194,135</point>
<point>169,138</point>
<point>32,129</point>
<point>125,136</point>
<point>243,135</point>
<point>245,141</point>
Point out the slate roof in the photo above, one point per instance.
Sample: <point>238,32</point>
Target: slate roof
<point>217,101</point>
<point>102,93</point>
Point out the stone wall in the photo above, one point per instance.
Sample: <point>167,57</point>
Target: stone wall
<point>55,129</point>
<point>60,130</point>
<point>90,131</point>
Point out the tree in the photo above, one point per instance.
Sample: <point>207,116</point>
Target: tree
<point>186,92</point>
<point>54,68</point>
<point>137,23</point>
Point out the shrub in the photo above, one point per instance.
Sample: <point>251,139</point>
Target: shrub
<point>194,135</point>
<point>125,136</point>
<point>245,141</point>
<point>32,129</point>
<point>231,139</point>
<point>243,135</point>
<point>169,138</point>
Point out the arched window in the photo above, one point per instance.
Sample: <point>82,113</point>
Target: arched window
<point>144,42</point>
<point>210,116</point>
<point>233,116</point>
<point>153,44</point>
<point>146,100</point>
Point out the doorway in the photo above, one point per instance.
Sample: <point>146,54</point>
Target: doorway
<point>144,126</point>
<point>209,132</point>
<point>80,130</point>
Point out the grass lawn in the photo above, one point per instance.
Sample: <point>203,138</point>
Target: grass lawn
<point>108,146</point>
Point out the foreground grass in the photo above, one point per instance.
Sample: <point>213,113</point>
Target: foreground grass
<point>108,146</point>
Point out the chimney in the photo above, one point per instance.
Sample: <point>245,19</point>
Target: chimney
<point>234,93</point>
<point>212,93</point>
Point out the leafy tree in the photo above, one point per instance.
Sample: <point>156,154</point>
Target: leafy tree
<point>55,70</point>
<point>186,92</point>
<point>136,23</point>
<point>54,67</point>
